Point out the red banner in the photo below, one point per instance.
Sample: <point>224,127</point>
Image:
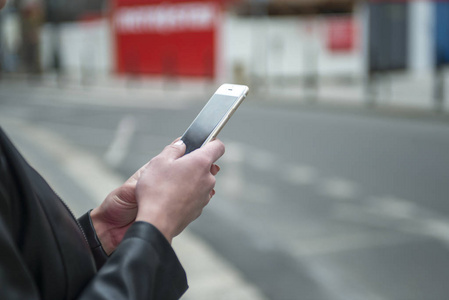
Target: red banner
<point>341,34</point>
<point>175,38</point>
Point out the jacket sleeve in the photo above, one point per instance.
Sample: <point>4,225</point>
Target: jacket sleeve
<point>144,266</point>
<point>97,250</point>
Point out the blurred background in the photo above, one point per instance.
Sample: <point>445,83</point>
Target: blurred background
<point>372,51</point>
<point>335,181</point>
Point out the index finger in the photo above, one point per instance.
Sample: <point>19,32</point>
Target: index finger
<point>214,150</point>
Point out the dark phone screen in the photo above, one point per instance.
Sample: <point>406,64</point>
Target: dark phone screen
<point>207,120</point>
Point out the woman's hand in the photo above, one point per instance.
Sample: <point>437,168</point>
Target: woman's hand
<point>116,214</point>
<point>168,192</point>
<point>173,189</point>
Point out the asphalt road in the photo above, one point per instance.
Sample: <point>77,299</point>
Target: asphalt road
<point>312,202</point>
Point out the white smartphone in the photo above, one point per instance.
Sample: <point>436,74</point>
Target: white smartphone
<point>214,115</point>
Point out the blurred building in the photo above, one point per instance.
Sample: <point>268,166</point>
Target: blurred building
<point>59,11</point>
<point>257,41</point>
<point>238,40</point>
<point>294,7</point>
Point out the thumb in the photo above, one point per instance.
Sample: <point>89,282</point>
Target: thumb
<point>175,150</point>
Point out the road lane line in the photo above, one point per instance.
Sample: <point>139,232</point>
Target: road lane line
<point>262,160</point>
<point>122,141</point>
<point>400,215</point>
<point>338,188</point>
<point>300,174</point>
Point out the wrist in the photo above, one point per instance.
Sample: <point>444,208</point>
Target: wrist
<point>161,223</point>
<point>100,256</point>
<point>102,231</point>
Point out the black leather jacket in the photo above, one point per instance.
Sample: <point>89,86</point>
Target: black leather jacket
<point>45,253</point>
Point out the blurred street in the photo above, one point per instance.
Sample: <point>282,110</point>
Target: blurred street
<point>314,201</point>
<point>334,185</point>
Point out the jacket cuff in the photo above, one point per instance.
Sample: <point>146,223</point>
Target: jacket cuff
<point>97,250</point>
<point>165,253</point>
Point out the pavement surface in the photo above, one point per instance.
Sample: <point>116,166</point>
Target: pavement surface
<point>83,180</point>
<point>315,201</point>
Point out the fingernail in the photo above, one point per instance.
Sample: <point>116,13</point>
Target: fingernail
<point>179,143</point>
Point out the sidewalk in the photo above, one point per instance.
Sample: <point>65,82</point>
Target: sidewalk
<point>83,181</point>
<point>397,91</point>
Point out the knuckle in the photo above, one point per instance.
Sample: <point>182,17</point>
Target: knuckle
<point>168,149</point>
<point>206,161</point>
<point>156,160</point>
<point>198,214</point>
<point>202,161</point>
<point>222,147</point>
<point>212,181</point>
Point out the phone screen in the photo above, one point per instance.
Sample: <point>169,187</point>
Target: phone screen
<point>209,117</point>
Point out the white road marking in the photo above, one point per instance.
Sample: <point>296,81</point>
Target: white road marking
<point>122,141</point>
<point>262,160</point>
<point>300,174</point>
<point>338,188</point>
<point>234,153</point>
<point>232,178</point>
<point>400,215</point>
<point>342,242</point>
<point>394,207</point>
